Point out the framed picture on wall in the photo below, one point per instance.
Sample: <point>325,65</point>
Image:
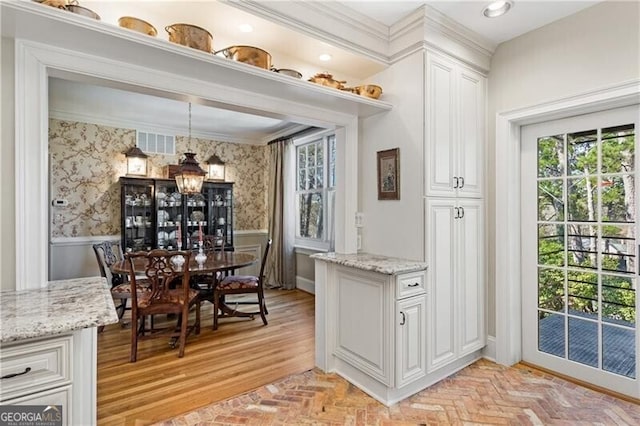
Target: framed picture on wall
<point>389,174</point>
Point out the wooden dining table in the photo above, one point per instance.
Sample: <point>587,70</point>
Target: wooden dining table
<point>218,261</point>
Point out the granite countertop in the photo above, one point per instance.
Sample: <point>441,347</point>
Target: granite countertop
<point>60,307</point>
<point>372,262</point>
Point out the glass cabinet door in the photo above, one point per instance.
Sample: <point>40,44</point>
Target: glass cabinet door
<point>221,218</point>
<point>197,222</point>
<point>169,216</point>
<point>137,207</point>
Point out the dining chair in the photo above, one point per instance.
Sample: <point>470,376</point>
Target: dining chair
<point>108,253</point>
<point>241,284</point>
<point>170,293</point>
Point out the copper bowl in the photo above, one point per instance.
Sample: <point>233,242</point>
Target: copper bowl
<point>138,25</point>
<point>326,79</point>
<point>190,36</point>
<point>286,71</point>
<point>369,90</point>
<point>247,54</point>
<point>82,11</point>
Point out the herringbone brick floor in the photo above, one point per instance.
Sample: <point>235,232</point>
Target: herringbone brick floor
<point>483,393</point>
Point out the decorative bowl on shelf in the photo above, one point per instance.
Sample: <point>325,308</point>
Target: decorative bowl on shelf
<point>197,216</point>
<point>326,79</point>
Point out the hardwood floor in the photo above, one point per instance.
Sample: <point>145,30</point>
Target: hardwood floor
<point>240,356</point>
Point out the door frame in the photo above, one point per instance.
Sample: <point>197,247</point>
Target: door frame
<point>508,339</point>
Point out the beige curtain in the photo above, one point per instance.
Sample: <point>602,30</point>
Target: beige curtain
<point>282,271</point>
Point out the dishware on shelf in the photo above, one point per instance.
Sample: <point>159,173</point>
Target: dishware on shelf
<point>197,216</point>
<point>163,236</point>
<point>163,216</point>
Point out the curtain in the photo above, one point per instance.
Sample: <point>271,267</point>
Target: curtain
<point>281,264</point>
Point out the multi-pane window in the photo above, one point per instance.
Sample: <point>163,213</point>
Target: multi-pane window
<point>315,186</point>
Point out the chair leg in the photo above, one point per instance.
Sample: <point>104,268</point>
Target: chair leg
<point>183,330</point>
<point>263,306</point>
<point>134,338</point>
<point>216,307</point>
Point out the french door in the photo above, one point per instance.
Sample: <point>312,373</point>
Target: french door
<point>579,247</point>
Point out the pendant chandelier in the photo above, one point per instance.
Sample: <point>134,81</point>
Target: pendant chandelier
<point>190,176</point>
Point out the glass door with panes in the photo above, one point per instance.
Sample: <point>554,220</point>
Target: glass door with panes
<point>580,249</point>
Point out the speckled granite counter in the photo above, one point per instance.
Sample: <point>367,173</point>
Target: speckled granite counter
<point>372,262</point>
<point>61,307</point>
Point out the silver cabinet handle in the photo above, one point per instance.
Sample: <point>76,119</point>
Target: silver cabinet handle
<point>461,182</point>
<point>404,318</point>
<point>456,181</point>
<point>461,212</point>
<point>457,216</point>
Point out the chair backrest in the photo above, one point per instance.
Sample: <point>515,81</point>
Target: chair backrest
<point>213,242</point>
<point>264,260</point>
<point>107,254</point>
<point>164,273</point>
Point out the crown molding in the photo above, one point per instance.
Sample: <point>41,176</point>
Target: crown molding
<point>123,123</point>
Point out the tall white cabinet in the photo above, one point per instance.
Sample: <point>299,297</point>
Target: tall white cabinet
<point>455,98</point>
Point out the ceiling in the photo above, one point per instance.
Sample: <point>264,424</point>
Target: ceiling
<point>289,49</point>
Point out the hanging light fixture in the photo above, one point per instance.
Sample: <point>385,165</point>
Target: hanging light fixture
<point>136,162</point>
<point>190,176</point>
<point>215,168</point>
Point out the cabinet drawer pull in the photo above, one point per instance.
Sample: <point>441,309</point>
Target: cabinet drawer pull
<point>404,318</point>
<point>413,285</point>
<point>8,376</point>
<point>461,182</point>
<point>457,181</point>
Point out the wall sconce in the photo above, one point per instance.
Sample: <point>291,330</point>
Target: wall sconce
<point>215,168</point>
<point>136,162</point>
<point>190,176</point>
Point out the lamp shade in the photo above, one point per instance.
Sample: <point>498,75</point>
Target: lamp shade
<point>136,162</point>
<point>190,176</point>
<point>215,168</point>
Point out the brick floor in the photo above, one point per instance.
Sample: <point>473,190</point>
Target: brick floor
<point>483,393</point>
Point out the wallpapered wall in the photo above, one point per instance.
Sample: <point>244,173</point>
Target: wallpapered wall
<point>86,161</point>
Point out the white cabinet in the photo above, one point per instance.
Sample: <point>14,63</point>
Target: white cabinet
<point>455,279</point>
<point>380,324</point>
<point>455,129</point>
<point>38,373</point>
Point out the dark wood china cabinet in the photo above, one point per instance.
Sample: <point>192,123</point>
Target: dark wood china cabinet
<point>155,215</point>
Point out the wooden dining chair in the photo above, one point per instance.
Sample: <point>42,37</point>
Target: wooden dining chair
<point>108,253</point>
<point>169,293</point>
<point>241,284</point>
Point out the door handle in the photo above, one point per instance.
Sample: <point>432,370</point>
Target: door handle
<point>404,318</point>
<point>8,376</point>
<point>457,181</point>
<point>461,212</point>
<point>461,182</point>
<point>457,216</point>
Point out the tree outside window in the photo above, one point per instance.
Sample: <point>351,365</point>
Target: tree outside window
<point>315,188</point>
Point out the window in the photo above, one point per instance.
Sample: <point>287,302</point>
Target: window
<point>315,190</point>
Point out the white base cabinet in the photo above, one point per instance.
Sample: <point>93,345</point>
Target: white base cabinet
<point>58,370</point>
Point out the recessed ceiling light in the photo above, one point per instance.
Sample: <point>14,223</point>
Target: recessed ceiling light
<point>245,28</point>
<point>325,57</point>
<point>497,8</point>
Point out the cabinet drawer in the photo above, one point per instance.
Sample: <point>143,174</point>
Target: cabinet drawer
<point>58,396</point>
<point>36,366</point>
<point>410,285</point>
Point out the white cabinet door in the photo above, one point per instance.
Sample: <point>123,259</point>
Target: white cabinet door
<point>470,276</point>
<point>410,340</point>
<point>455,279</point>
<point>455,129</point>
<point>441,253</point>
<point>52,397</point>
<point>471,133</point>
<point>440,127</point>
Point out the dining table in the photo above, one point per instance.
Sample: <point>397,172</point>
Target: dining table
<point>217,263</point>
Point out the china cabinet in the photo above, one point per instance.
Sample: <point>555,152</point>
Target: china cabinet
<point>156,215</point>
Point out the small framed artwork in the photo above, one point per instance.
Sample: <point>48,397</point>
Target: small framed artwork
<point>389,174</point>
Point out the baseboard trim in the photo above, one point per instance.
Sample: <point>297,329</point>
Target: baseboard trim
<point>305,285</point>
<point>489,351</point>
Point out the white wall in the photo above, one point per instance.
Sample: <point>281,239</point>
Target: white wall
<point>597,47</point>
<point>395,228</point>
<point>7,159</point>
